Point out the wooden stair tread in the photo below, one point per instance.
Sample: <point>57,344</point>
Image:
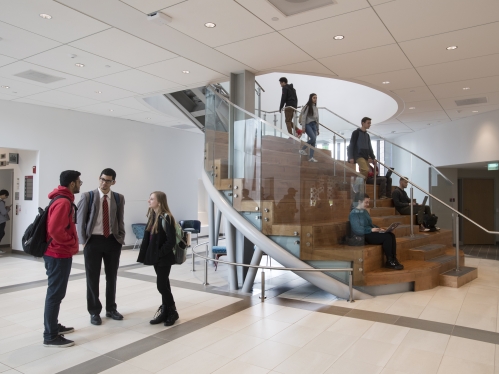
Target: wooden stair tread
<point>428,247</point>
<point>442,259</point>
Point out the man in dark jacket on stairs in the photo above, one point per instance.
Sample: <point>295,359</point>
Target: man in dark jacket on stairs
<point>288,99</point>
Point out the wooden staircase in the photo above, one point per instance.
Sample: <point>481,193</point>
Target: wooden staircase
<point>312,202</point>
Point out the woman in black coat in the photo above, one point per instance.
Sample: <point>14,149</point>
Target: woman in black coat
<point>157,250</point>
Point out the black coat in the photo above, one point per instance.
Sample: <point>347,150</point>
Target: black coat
<point>288,97</point>
<point>157,249</point>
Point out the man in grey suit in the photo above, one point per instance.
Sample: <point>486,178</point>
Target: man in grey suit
<point>101,229</point>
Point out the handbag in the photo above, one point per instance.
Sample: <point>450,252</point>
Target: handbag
<point>355,240</point>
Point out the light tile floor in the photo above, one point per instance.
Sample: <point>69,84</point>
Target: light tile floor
<point>266,338</point>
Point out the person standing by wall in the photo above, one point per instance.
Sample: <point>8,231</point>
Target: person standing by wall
<point>289,99</point>
<point>157,250</point>
<point>61,232</point>
<point>4,214</point>
<point>309,119</point>
<point>101,228</point>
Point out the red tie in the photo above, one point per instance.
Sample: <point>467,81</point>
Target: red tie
<point>105,217</point>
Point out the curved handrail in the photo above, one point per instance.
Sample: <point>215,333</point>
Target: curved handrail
<point>440,201</point>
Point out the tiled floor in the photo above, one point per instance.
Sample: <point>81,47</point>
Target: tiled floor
<point>303,330</point>
<point>490,252</point>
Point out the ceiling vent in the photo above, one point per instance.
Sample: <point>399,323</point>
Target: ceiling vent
<point>292,7</point>
<point>38,76</point>
<point>183,127</point>
<point>474,101</point>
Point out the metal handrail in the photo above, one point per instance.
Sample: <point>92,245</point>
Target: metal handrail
<point>258,84</point>
<point>386,140</point>
<point>206,258</point>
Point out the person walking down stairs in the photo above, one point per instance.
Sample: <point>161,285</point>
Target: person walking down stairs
<point>288,99</point>
<point>309,119</point>
<point>362,225</point>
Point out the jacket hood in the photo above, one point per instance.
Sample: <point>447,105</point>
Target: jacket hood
<point>290,85</point>
<point>62,191</point>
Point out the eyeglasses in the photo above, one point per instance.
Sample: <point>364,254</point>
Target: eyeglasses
<point>106,180</point>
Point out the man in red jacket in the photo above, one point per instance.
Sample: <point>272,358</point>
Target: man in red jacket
<point>61,231</point>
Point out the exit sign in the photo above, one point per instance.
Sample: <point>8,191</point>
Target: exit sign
<point>493,166</point>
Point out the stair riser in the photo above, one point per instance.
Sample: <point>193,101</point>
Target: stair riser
<point>426,255</point>
<point>378,212</point>
<point>387,221</point>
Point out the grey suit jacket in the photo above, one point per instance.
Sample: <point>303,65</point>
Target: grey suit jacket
<point>116,214</point>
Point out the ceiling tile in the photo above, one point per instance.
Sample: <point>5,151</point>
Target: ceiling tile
<point>173,71</point>
<point>273,50</point>
<point>62,98</point>
<point>266,11</point>
<point>5,60</point>
<point>476,87</point>
<point>368,61</point>
<point>425,125</point>
<point>467,112</point>
<point>362,29</point>
<point>136,81</point>
<point>19,89</point>
<point>409,19</point>
<point>19,43</point>
<point>472,42</point>
<point>425,116</point>
<point>312,67</point>
<point>61,59</point>
<point>414,94</point>
<point>124,48</point>
<point>150,117</point>
<point>421,106</point>
<point>132,102</point>
<point>27,100</point>
<point>234,23</point>
<point>9,71</point>
<point>108,109</point>
<point>398,79</point>
<point>478,67</point>
<point>4,96</point>
<point>390,128</point>
<point>65,25</point>
<point>450,102</point>
<point>97,91</point>
<point>150,6</point>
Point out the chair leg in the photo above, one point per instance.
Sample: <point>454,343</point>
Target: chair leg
<point>133,249</point>
<point>217,256</point>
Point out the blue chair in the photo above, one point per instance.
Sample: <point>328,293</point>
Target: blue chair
<point>139,230</point>
<point>218,251</point>
<point>192,226</point>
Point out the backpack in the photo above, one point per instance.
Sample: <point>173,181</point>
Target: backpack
<point>430,221</point>
<point>180,248</point>
<point>34,240</point>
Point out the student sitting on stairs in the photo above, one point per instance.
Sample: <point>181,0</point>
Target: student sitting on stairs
<point>362,225</point>
<point>385,183</point>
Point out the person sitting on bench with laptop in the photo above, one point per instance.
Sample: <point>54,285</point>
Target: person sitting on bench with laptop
<point>403,204</point>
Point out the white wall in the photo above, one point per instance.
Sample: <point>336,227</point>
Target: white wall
<point>145,157</point>
<point>27,159</point>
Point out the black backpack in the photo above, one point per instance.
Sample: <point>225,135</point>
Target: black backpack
<point>35,237</point>
<point>430,221</point>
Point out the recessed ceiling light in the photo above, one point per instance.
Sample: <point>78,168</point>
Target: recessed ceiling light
<point>452,47</point>
<point>45,16</point>
<point>185,71</point>
<point>412,107</point>
<point>338,37</point>
<point>466,88</point>
<point>111,110</point>
<point>210,25</point>
<point>412,91</point>
<point>475,111</point>
<point>386,82</point>
<point>5,86</point>
<point>99,92</point>
<point>393,132</point>
<point>79,65</point>
<point>148,118</point>
<point>275,19</point>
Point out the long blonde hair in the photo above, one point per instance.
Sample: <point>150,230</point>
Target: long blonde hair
<point>152,223</point>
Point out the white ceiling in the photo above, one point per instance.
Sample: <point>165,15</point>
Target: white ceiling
<point>128,57</point>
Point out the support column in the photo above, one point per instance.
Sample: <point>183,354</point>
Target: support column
<point>218,221</point>
<point>230,232</point>
<point>244,254</point>
<point>251,275</point>
<point>211,225</point>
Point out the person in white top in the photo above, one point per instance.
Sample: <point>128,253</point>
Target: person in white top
<point>101,229</point>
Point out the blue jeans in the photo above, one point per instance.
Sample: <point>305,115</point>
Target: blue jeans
<point>58,270</point>
<point>311,130</point>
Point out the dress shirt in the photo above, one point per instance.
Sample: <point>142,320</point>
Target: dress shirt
<point>99,228</point>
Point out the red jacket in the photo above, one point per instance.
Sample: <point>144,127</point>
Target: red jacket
<point>61,225</point>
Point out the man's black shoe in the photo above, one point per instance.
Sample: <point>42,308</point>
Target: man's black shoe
<point>95,319</point>
<point>394,264</point>
<point>59,342</point>
<point>65,330</point>
<point>114,314</point>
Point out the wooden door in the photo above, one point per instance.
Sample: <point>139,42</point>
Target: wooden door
<point>478,204</point>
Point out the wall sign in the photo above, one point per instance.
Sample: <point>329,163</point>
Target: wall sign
<point>28,187</point>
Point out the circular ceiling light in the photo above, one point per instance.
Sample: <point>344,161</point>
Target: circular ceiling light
<point>148,118</point>
<point>185,71</point>
<point>339,37</point>
<point>386,82</point>
<point>210,25</point>
<point>412,107</point>
<point>466,88</point>
<point>79,65</point>
<point>45,16</point>
<point>5,86</point>
<point>452,47</point>
<point>111,110</point>
<point>99,92</point>
<point>475,111</point>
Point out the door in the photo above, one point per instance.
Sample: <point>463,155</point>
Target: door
<point>6,183</point>
<point>478,205</point>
